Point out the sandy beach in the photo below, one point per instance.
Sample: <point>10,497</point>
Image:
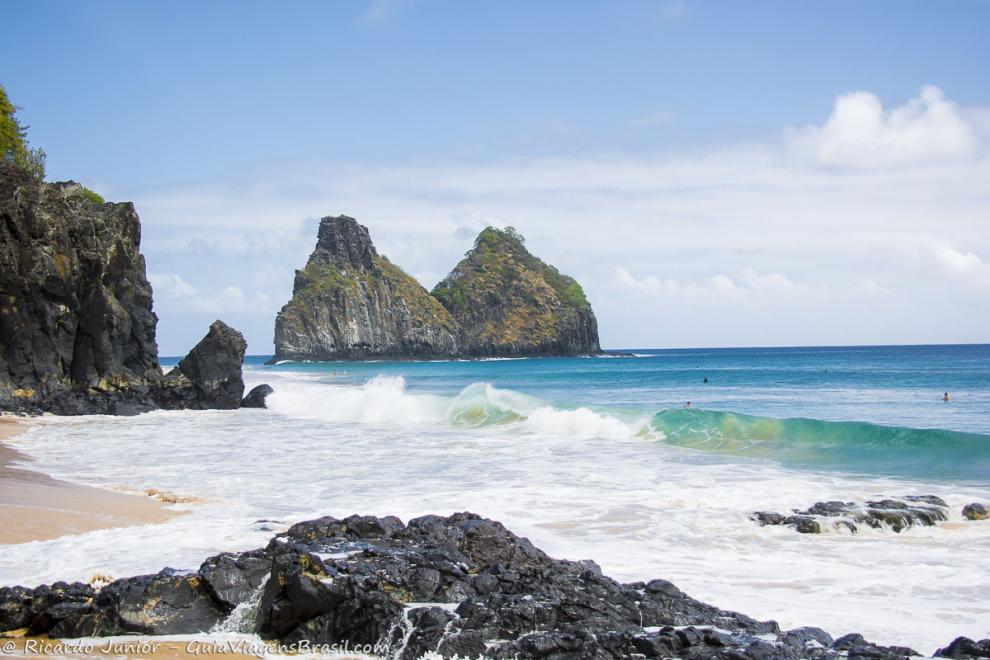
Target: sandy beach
<point>36,507</point>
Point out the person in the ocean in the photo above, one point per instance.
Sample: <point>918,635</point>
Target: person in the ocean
<point>945,397</point>
<point>687,405</point>
<point>705,380</point>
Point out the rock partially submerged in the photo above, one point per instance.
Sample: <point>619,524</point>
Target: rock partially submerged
<point>257,396</point>
<point>964,648</point>
<point>456,586</point>
<point>894,514</point>
<point>976,511</point>
<point>210,375</point>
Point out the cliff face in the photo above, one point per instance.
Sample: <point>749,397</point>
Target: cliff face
<point>507,302</point>
<point>75,305</point>
<point>351,303</point>
<point>77,331</point>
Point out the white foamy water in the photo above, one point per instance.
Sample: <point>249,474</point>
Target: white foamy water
<point>580,484</point>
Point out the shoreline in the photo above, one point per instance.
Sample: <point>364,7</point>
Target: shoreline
<point>37,507</point>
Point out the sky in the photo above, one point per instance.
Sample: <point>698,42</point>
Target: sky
<point>713,173</point>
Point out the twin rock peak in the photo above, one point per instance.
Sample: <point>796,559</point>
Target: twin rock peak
<point>351,303</point>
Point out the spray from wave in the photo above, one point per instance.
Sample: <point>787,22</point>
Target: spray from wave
<point>845,446</point>
<point>384,400</point>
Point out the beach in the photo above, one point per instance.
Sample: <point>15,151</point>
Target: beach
<point>36,507</point>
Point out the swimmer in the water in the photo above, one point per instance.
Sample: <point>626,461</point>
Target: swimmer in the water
<point>945,397</point>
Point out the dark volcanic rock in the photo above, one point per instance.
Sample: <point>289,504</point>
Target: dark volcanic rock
<point>210,375</point>
<point>457,586</point>
<point>233,579</point>
<point>975,511</point>
<point>895,514</point>
<point>77,332</point>
<point>964,647</point>
<point>508,302</point>
<point>256,397</point>
<point>350,303</point>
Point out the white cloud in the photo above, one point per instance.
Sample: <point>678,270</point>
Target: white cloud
<point>800,252</point>
<point>749,286</point>
<point>861,133</point>
<point>169,285</point>
<point>965,265</point>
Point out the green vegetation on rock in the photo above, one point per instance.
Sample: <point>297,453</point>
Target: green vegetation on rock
<point>91,195</point>
<point>508,302</point>
<point>349,302</point>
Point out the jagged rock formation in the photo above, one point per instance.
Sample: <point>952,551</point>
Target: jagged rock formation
<point>509,303</point>
<point>210,375</point>
<point>894,514</point>
<point>460,586</point>
<point>350,303</point>
<point>77,330</point>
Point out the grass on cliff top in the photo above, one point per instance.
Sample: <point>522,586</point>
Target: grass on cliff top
<point>501,256</point>
<point>91,195</point>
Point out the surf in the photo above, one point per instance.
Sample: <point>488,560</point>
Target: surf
<point>848,446</point>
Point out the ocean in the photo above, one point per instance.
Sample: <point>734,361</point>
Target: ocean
<point>591,458</point>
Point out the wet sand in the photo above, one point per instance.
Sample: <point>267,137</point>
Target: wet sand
<point>35,507</point>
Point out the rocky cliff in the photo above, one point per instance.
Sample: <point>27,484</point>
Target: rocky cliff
<point>77,330</point>
<point>507,302</point>
<point>351,303</point>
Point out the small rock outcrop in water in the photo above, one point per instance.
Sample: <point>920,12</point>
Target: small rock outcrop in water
<point>256,397</point>
<point>77,330</point>
<point>976,511</point>
<point>210,375</point>
<point>964,648</point>
<point>509,303</point>
<point>460,586</point>
<point>350,303</point>
<point>895,514</point>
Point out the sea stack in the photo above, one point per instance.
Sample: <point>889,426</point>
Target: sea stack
<point>351,303</point>
<point>509,303</point>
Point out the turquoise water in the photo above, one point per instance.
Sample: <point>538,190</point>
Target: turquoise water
<point>589,458</point>
<point>872,410</point>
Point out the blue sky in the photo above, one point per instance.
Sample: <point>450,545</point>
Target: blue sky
<point>677,157</point>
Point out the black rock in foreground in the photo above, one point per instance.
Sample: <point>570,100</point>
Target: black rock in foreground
<point>457,586</point>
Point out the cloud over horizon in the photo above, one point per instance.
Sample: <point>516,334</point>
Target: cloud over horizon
<point>870,227</point>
